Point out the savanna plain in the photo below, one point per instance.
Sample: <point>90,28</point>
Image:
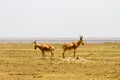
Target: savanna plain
<point>96,61</point>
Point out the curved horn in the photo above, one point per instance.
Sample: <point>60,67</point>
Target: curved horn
<point>81,37</point>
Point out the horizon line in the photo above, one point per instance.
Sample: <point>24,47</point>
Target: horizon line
<point>87,38</point>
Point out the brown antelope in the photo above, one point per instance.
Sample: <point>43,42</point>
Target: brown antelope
<point>43,48</point>
<point>73,45</point>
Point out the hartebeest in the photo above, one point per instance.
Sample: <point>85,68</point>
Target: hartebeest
<point>73,45</point>
<point>43,48</point>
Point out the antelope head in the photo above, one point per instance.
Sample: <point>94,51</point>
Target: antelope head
<point>35,45</point>
<point>81,40</point>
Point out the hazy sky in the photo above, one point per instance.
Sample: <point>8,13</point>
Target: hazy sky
<point>59,18</point>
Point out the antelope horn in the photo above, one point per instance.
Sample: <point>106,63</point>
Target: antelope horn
<point>81,36</point>
<point>35,42</point>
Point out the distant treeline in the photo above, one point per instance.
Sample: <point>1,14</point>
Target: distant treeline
<point>56,40</point>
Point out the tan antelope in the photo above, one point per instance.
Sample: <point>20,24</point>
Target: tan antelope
<point>43,48</point>
<point>73,45</point>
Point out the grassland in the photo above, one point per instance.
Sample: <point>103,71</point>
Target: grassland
<point>21,62</point>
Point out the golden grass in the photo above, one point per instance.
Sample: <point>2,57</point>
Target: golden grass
<point>21,62</point>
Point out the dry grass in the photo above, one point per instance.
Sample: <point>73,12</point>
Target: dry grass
<point>96,62</point>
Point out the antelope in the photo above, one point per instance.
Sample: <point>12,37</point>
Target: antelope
<point>73,45</point>
<point>43,48</point>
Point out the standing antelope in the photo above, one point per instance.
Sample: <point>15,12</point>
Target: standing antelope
<point>43,48</point>
<point>73,45</point>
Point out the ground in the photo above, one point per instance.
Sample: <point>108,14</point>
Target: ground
<point>96,61</point>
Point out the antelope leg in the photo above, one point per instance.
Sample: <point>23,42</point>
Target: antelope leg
<point>74,53</point>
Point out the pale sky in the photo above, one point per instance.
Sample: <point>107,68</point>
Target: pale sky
<point>59,18</point>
